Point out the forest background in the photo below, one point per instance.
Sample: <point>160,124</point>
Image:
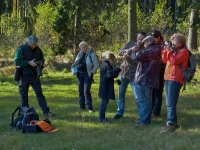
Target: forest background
<point>61,25</point>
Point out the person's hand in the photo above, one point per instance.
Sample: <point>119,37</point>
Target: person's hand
<point>125,55</point>
<point>167,45</point>
<point>32,63</point>
<point>135,48</point>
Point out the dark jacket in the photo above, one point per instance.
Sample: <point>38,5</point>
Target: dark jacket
<point>128,68</point>
<point>107,75</point>
<point>149,66</point>
<point>23,54</point>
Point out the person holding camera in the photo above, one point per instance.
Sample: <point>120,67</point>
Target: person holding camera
<point>147,77</point>
<point>106,87</point>
<point>87,64</point>
<point>174,56</point>
<point>29,57</point>
<point>127,74</point>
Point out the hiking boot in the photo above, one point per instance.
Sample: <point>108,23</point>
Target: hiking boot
<point>49,114</point>
<point>104,120</point>
<point>91,111</point>
<point>168,129</point>
<point>117,116</point>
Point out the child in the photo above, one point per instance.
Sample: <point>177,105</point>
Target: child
<point>106,88</point>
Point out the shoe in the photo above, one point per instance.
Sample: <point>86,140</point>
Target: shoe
<point>49,114</point>
<point>154,116</point>
<point>140,124</point>
<point>117,116</point>
<point>81,109</point>
<point>168,129</point>
<point>91,111</point>
<point>104,120</point>
<point>137,120</point>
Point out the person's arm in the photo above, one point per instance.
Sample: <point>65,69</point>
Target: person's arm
<point>95,63</point>
<point>126,48</point>
<point>112,72</point>
<point>41,56</point>
<point>19,58</point>
<point>180,57</point>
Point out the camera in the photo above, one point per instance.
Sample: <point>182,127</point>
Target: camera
<point>39,68</point>
<point>169,43</point>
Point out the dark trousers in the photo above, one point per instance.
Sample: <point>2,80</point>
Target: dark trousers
<point>102,110</point>
<point>84,85</point>
<point>24,84</point>
<point>157,97</point>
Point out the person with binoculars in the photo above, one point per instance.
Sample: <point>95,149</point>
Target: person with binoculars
<point>29,58</point>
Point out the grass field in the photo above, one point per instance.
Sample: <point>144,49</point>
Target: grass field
<point>80,130</point>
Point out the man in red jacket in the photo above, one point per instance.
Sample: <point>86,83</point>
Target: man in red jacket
<point>173,57</point>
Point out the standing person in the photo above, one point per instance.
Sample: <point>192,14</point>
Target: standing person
<point>157,93</point>
<point>87,63</point>
<point>127,74</point>
<point>174,57</point>
<point>147,77</point>
<point>106,87</point>
<point>27,56</point>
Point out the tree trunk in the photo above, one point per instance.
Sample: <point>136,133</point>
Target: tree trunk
<point>132,21</point>
<point>192,36</point>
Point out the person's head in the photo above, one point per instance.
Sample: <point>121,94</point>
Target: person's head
<point>84,46</point>
<point>32,41</point>
<point>140,37</point>
<point>178,40</point>
<point>148,40</point>
<point>111,58</point>
<point>157,35</point>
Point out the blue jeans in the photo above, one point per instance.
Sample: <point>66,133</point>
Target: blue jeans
<point>24,84</point>
<point>172,93</point>
<point>102,110</point>
<point>121,94</point>
<point>84,85</point>
<point>144,94</point>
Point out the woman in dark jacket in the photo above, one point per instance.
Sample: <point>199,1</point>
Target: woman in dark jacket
<point>106,87</point>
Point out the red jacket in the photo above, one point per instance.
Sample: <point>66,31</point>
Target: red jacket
<point>173,59</point>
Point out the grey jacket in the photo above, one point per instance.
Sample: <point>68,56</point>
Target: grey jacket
<point>92,63</point>
<point>128,66</point>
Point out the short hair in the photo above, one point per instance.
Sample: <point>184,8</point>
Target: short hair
<point>111,56</point>
<point>141,33</point>
<point>180,38</point>
<point>32,39</point>
<point>83,43</point>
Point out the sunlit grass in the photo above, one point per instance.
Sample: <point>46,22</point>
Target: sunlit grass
<point>80,130</point>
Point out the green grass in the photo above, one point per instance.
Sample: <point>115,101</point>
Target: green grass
<point>81,130</point>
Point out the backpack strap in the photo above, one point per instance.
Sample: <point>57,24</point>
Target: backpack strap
<point>12,119</point>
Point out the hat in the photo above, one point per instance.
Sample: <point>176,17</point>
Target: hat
<point>148,38</point>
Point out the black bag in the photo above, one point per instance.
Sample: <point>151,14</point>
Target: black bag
<point>25,115</point>
<point>17,74</point>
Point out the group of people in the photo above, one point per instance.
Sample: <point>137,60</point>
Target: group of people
<point>149,64</point>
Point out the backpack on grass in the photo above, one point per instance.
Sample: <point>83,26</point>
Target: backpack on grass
<point>189,73</point>
<point>25,115</point>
